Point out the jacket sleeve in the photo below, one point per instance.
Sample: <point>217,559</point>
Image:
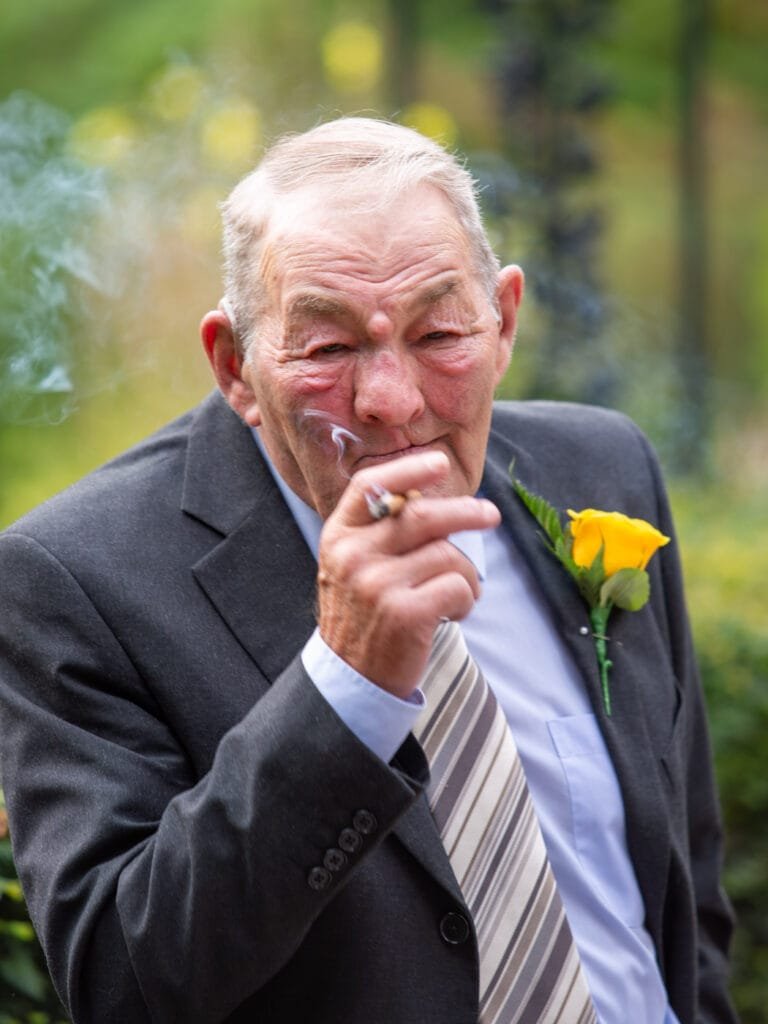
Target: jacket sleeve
<point>157,895</point>
<point>714,916</point>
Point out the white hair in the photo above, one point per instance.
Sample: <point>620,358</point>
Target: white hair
<point>368,162</point>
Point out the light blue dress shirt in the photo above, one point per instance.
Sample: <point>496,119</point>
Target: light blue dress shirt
<point>574,788</point>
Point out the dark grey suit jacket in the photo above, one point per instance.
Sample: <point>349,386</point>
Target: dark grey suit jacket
<point>173,776</point>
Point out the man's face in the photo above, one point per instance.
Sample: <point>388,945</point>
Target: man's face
<point>380,341</point>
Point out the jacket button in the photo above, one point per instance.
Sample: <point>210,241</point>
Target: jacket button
<point>319,879</point>
<point>365,822</point>
<point>350,841</point>
<point>334,859</point>
<point>454,928</point>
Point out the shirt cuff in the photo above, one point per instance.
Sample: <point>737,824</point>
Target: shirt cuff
<point>379,719</point>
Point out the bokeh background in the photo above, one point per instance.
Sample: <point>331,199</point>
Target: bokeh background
<point>622,149</point>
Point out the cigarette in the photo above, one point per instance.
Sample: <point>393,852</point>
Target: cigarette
<point>382,503</point>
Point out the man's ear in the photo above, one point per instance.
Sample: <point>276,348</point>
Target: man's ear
<point>509,294</point>
<point>223,354</point>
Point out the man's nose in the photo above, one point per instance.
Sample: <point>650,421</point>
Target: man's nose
<point>387,388</point>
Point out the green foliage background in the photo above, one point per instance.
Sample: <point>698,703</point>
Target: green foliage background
<point>145,89</point>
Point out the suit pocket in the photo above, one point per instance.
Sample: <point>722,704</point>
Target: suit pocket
<point>597,815</point>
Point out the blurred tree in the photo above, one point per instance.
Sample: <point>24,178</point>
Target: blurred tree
<point>26,993</point>
<point>546,92</point>
<point>404,34</point>
<point>734,665</point>
<point>694,364</point>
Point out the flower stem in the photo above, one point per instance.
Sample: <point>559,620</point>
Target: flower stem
<point>599,619</point>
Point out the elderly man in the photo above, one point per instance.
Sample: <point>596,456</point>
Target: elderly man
<point>252,773</point>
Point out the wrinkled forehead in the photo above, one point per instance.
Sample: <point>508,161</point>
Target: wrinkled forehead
<point>371,226</point>
<point>337,205</point>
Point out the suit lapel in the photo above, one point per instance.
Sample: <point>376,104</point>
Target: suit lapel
<point>625,730</point>
<point>263,591</point>
<point>568,610</point>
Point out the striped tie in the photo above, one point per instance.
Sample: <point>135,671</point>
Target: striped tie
<point>529,967</point>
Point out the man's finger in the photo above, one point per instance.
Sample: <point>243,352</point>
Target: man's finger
<point>408,473</point>
<point>426,519</point>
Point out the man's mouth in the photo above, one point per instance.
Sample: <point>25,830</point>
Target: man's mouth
<point>373,459</point>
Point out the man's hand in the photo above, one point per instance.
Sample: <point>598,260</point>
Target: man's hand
<point>383,586</point>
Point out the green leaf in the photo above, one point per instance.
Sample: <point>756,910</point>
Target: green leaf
<point>11,888</point>
<point>38,1017</point>
<point>591,579</point>
<point>628,589</point>
<point>544,514</point>
<point>20,972</point>
<point>21,930</point>
<point>563,552</point>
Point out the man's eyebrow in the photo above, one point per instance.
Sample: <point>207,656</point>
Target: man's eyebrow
<point>311,304</point>
<point>431,295</point>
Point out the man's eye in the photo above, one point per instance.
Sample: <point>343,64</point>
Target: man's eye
<point>331,349</point>
<point>436,336</point>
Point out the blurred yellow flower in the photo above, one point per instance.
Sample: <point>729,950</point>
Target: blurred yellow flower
<point>627,543</point>
<point>175,93</point>
<point>231,134</point>
<point>105,135</point>
<point>432,120</point>
<point>352,56</point>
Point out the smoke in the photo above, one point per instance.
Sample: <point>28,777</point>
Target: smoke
<point>109,238</point>
<point>48,202</point>
<point>325,429</point>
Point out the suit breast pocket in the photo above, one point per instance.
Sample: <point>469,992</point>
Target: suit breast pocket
<point>597,816</point>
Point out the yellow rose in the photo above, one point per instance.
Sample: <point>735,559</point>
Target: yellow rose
<point>628,543</point>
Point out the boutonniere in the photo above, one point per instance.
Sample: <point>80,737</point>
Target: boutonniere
<point>606,554</point>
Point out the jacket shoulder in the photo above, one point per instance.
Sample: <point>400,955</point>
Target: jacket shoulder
<point>573,453</point>
<point>114,491</point>
<point>540,422</point>
<point>565,430</point>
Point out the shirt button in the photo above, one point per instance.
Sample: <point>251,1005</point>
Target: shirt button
<point>454,928</point>
<point>334,859</point>
<point>319,879</point>
<point>584,630</point>
<point>365,822</point>
<point>350,841</point>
